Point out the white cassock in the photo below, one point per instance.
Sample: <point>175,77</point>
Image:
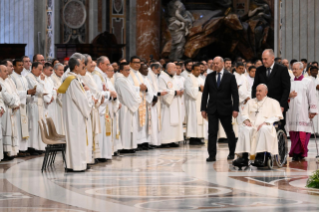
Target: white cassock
<point>141,120</point>
<point>299,107</point>
<point>114,115</point>
<point>2,144</point>
<point>250,82</point>
<point>95,117</point>
<point>50,108</point>
<point>316,118</point>
<point>59,117</point>
<point>185,74</point>
<point>9,131</point>
<point>265,140</point>
<point>36,111</point>
<point>25,72</point>
<point>203,77</point>
<point>155,111</point>
<point>22,122</point>
<point>243,92</point>
<point>172,121</point>
<point>193,97</point>
<point>130,98</point>
<point>76,111</point>
<point>105,139</point>
<point>181,86</point>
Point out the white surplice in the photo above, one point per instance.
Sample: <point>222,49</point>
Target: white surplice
<point>50,108</point>
<point>76,111</point>
<point>193,97</point>
<point>265,140</point>
<point>21,84</point>
<point>172,119</point>
<point>316,118</point>
<point>250,82</point>
<point>95,117</point>
<point>154,137</point>
<point>9,130</point>
<point>59,117</point>
<point>130,98</point>
<point>36,111</point>
<point>181,86</point>
<point>299,107</point>
<point>105,141</point>
<point>142,136</point>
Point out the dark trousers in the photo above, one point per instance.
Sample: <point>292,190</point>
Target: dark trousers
<point>283,122</point>
<point>226,122</point>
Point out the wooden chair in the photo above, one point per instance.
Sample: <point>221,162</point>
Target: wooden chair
<point>52,130</point>
<point>53,146</point>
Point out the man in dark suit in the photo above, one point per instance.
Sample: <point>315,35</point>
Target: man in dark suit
<point>277,79</point>
<point>220,102</point>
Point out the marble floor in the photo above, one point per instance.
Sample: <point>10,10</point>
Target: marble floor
<point>171,179</point>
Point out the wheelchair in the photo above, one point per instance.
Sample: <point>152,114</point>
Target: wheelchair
<point>282,157</point>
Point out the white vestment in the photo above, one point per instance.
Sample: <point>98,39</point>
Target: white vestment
<point>50,108</point>
<point>129,97</point>
<point>136,80</point>
<point>95,116</point>
<point>105,141</point>
<point>265,140</point>
<point>193,97</point>
<point>76,111</point>
<point>36,111</point>
<point>25,72</point>
<point>250,82</point>
<point>21,115</point>
<point>9,130</point>
<point>316,118</point>
<point>154,138</point>
<point>59,117</point>
<point>2,145</point>
<point>172,120</point>
<point>181,86</point>
<point>299,107</point>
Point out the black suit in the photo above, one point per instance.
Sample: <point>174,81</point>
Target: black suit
<point>278,84</point>
<point>220,107</point>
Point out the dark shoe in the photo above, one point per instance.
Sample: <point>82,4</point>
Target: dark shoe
<point>6,157</point>
<point>174,145</point>
<point>165,146</point>
<point>210,159</point>
<point>71,170</point>
<point>115,154</point>
<point>96,160</point>
<point>102,160</point>
<point>241,162</point>
<point>230,157</point>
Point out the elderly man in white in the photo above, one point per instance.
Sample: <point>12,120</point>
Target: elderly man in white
<point>257,133</point>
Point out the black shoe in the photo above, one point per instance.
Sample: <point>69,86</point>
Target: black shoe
<point>165,146</point>
<point>102,160</point>
<point>6,157</point>
<point>241,162</point>
<point>210,159</point>
<point>174,145</point>
<point>96,160</point>
<point>230,157</point>
<point>115,154</point>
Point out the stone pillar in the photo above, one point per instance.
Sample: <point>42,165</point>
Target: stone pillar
<point>49,32</point>
<point>148,14</point>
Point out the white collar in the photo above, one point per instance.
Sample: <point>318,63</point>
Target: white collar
<point>221,72</point>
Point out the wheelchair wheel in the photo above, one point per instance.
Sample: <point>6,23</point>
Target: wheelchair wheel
<point>270,163</point>
<point>281,158</point>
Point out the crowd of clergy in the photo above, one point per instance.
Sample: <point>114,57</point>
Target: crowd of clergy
<point>109,109</point>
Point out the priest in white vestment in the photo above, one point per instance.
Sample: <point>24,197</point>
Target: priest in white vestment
<point>137,81</point>
<point>25,94</point>
<point>172,119</point>
<point>181,86</point>
<point>11,104</point>
<point>251,78</point>
<point>26,66</point>
<point>114,106</point>
<point>57,81</point>
<point>100,78</point>
<point>257,133</point>
<point>303,107</point>
<point>188,68</point>
<point>315,79</point>
<point>76,111</point>
<point>194,86</point>
<point>130,99</point>
<point>36,106</point>
<point>88,80</point>
<point>156,118</point>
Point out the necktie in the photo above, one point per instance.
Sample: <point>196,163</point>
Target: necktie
<point>218,79</point>
<point>268,72</point>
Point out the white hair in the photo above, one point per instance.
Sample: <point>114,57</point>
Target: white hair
<point>300,65</point>
<point>57,66</point>
<point>77,56</point>
<point>264,86</point>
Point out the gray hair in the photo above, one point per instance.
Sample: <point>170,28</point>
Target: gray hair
<point>101,60</point>
<point>86,58</point>
<point>57,66</point>
<point>221,59</point>
<point>77,56</point>
<point>264,86</point>
<point>270,52</point>
<point>300,64</point>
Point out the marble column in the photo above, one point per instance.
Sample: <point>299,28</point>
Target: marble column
<point>49,34</point>
<point>148,28</point>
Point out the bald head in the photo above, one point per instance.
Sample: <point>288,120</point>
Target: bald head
<point>268,58</point>
<point>3,72</point>
<point>218,64</point>
<point>171,68</point>
<point>261,91</point>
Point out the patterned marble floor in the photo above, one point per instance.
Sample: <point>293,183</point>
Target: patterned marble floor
<point>175,179</point>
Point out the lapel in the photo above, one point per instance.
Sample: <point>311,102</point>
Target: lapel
<point>222,80</point>
<point>272,74</point>
<point>264,74</point>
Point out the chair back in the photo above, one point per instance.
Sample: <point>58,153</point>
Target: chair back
<point>45,130</point>
<point>50,127</point>
<point>43,133</point>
